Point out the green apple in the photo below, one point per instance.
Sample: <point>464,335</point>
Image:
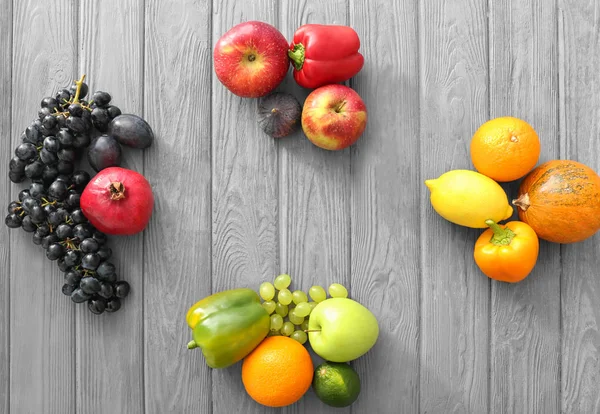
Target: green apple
<point>341,329</point>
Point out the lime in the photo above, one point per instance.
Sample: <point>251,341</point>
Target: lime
<point>336,384</point>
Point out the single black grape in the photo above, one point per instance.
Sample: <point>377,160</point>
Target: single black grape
<point>36,238</point>
<point>63,96</point>
<point>89,245</point>
<point>77,125</point>
<point>82,231</point>
<point>75,110</point>
<point>58,190</point>
<point>90,261</point>
<point>55,251</point>
<point>113,304</point>
<point>33,134</point>
<point>49,122</point>
<point>65,167</point>
<point>29,202</point>
<point>54,218</point>
<point>72,200</point>
<point>97,305</point>
<point>100,119</point>
<point>65,178</point>
<point>64,231</point>
<point>72,258</point>
<point>81,141</point>
<point>100,237</point>
<point>34,170</point>
<point>121,289</point>
<point>106,290</point>
<point>43,229</point>
<point>132,131</point>
<point>48,158</point>
<point>49,240</point>
<point>83,90</point>
<point>80,179</point>
<point>38,215</point>
<point>52,144</point>
<point>49,209</point>
<point>26,151</point>
<point>67,154</point>
<point>90,285</point>
<point>79,296</point>
<point>72,277</point>
<point>65,137</point>
<point>101,98</point>
<point>61,121</point>
<point>68,289</point>
<point>78,217</point>
<point>49,174</point>
<point>44,112</point>
<point>28,224</point>
<point>113,111</point>
<point>62,266</point>
<point>14,207</point>
<point>46,132</point>
<point>16,177</point>
<point>37,191</point>
<point>13,221</point>
<point>23,194</point>
<point>17,165</point>
<point>104,152</point>
<point>105,270</point>
<point>49,102</point>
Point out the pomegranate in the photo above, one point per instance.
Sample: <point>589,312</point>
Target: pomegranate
<point>118,201</point>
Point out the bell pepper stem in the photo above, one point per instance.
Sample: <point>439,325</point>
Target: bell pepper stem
<point>502,236</point>
<point>192,344</point>
<point>297,56</point>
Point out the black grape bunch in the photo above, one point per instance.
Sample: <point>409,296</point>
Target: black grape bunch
<point>49,209</point>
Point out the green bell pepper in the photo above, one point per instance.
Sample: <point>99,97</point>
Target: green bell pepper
<point>227,326</point>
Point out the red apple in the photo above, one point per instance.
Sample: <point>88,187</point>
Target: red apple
<point>251,59</point>
<point>334,117</point>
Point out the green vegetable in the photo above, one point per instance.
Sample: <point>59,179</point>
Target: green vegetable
<point>227,326</point>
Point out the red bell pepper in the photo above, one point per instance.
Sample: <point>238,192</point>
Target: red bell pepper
<point>325,54</point>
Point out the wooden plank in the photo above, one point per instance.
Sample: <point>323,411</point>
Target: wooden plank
<point>525,317</point>
<point>244,195</point>
<point>110,361</point>
<point>385,225</point>
<point>454,308</point>
<point>178,241</point>
<point>579,100</point>
<point>6,147</point>
<point>314,190</point>
<point>42,374</point>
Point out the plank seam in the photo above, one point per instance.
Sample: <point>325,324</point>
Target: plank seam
<point>211,189</point>
<point>10,124</point>
<point>559,128</point>
<point>419,210</point>
<point>76,23</point>
<point>490,285</point>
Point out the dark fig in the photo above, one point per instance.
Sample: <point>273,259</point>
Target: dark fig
<point>279,114</point>
<point>104,152</point>
<point>131,131</point>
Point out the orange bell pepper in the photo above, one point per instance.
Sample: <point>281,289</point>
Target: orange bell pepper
<point>508,252</point>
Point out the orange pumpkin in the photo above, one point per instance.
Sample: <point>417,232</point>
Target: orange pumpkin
<point>560,200</point>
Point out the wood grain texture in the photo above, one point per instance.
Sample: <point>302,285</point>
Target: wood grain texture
<point>385,212</point>
<point>6,148</point>
<point>244,196</point>
<point>454,296</point>
<point>314,190</point>
<point>110,360</point>
<point>525,319</point>
<point>178,241</point>
<point>579,58</point>
<point>42,373</point>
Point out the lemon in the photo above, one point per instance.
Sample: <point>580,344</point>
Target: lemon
<point>468,198</point>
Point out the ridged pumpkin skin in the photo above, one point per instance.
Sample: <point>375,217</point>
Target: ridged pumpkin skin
<point>560,200</point>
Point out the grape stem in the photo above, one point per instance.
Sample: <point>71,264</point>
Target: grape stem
<point>78,90</point>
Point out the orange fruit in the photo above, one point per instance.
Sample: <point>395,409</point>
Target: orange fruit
<point>505,149</point>
<point>278,372</point>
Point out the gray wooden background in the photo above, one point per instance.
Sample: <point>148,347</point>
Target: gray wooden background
<point>234,207</point>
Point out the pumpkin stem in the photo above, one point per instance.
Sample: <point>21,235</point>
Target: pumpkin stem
<point>502,236</point>
<point>117,191</point>
<point>523,202</point>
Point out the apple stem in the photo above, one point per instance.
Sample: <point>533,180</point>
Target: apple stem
<point>312,330</point>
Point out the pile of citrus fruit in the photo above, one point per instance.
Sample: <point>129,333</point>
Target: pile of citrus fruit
<point>558,201</point>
